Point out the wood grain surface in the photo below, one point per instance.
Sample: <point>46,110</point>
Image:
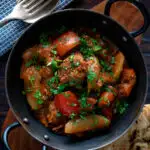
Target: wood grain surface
<point>131,20</point>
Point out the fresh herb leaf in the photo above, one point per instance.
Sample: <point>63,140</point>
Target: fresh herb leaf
<point>110,90</point>
<point>29,63</point>
<point>105,66</point>
<point>33,61</point>
<point>97,48</point>
<point>26,91</point>
<point>72,115</point>
<point>111,74</point>
<point>23,93</point>
<point>37,94</point>
<point>121,106</point>
<point>54,52</point>
<point>83,100</point>
<point>40,101</point>
<point>58,114</point>
<point>54,65</point>
<point>102,79</point>
<point>83,117</point>
<point>112,60</point>
<point>62,87</point>
<point>71,58</point>
<point>85,49</point>
<point>38,67</point>
<point>106,120</point>
<point>73,104</point>
<point>32,79</point>
<point>91,75</point>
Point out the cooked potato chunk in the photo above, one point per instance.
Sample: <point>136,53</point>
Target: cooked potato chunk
<point>72,69</point>
<point>118,66</point>
<point>90,123</point>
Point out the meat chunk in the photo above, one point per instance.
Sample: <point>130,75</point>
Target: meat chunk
<point>107,97</point>
<point>128,76</point>
<point>128,80</point>
<point>46,72</point>
<point>52,116</point>
<point>73,69</point>
<point>91,102</point>
<point>29,53</point>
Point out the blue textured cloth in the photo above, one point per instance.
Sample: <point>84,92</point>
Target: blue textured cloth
<point>12,31</point>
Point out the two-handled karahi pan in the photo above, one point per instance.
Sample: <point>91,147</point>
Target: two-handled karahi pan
<point>114,32</point>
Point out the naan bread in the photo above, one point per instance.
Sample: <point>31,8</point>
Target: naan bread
<point>138,137</point>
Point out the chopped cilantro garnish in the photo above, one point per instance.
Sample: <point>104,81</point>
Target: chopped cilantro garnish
<point>52,84</point>
<point>83,100</point>
<point>102,79</point>
<point>26,91</point>
<point>71,58</point>
<point>105,66</point>
<point>73,104</point>
<point>111,74</point>
<point>110,90</point>
<point>53,80</point>
<point>37,67</point>
<point>54,65</point>
<point>32,79</point>
<point>82,117</point>
<point>97,48</point>
<point>85,49</point>
<point>121,106</point>
<point>112,60</point>
<point>72,115</point>
<point>64,67</point>
<point>29,63</point>
<point>106,120</point>
<point>38,96</point>
<point>23,92</point>
<point>40,101</point>
<point>58,114</point>
<point>54,52</point>
<point>91,75</point>
<point>77,64</point>
<point>33,61</point>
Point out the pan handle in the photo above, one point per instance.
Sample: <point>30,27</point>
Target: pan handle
<point>6,132</point>
<point>140,6</point>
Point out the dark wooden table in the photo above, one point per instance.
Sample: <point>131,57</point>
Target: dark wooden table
<point>145,47</point>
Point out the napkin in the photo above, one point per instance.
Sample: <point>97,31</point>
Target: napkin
<point>12,31</point>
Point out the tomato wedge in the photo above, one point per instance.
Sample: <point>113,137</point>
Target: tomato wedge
<point>67,103</point>
<point>66,42</point>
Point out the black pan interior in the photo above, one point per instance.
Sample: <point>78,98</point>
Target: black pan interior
<point>110,29</point>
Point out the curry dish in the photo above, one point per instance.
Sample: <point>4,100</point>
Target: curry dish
<point>76,81</point>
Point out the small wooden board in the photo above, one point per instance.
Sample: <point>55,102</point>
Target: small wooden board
<point>128,16</point>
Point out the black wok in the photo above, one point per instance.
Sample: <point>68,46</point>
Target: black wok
<point>113,31</point>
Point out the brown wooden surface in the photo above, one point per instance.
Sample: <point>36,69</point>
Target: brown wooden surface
<point>124,13</point>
